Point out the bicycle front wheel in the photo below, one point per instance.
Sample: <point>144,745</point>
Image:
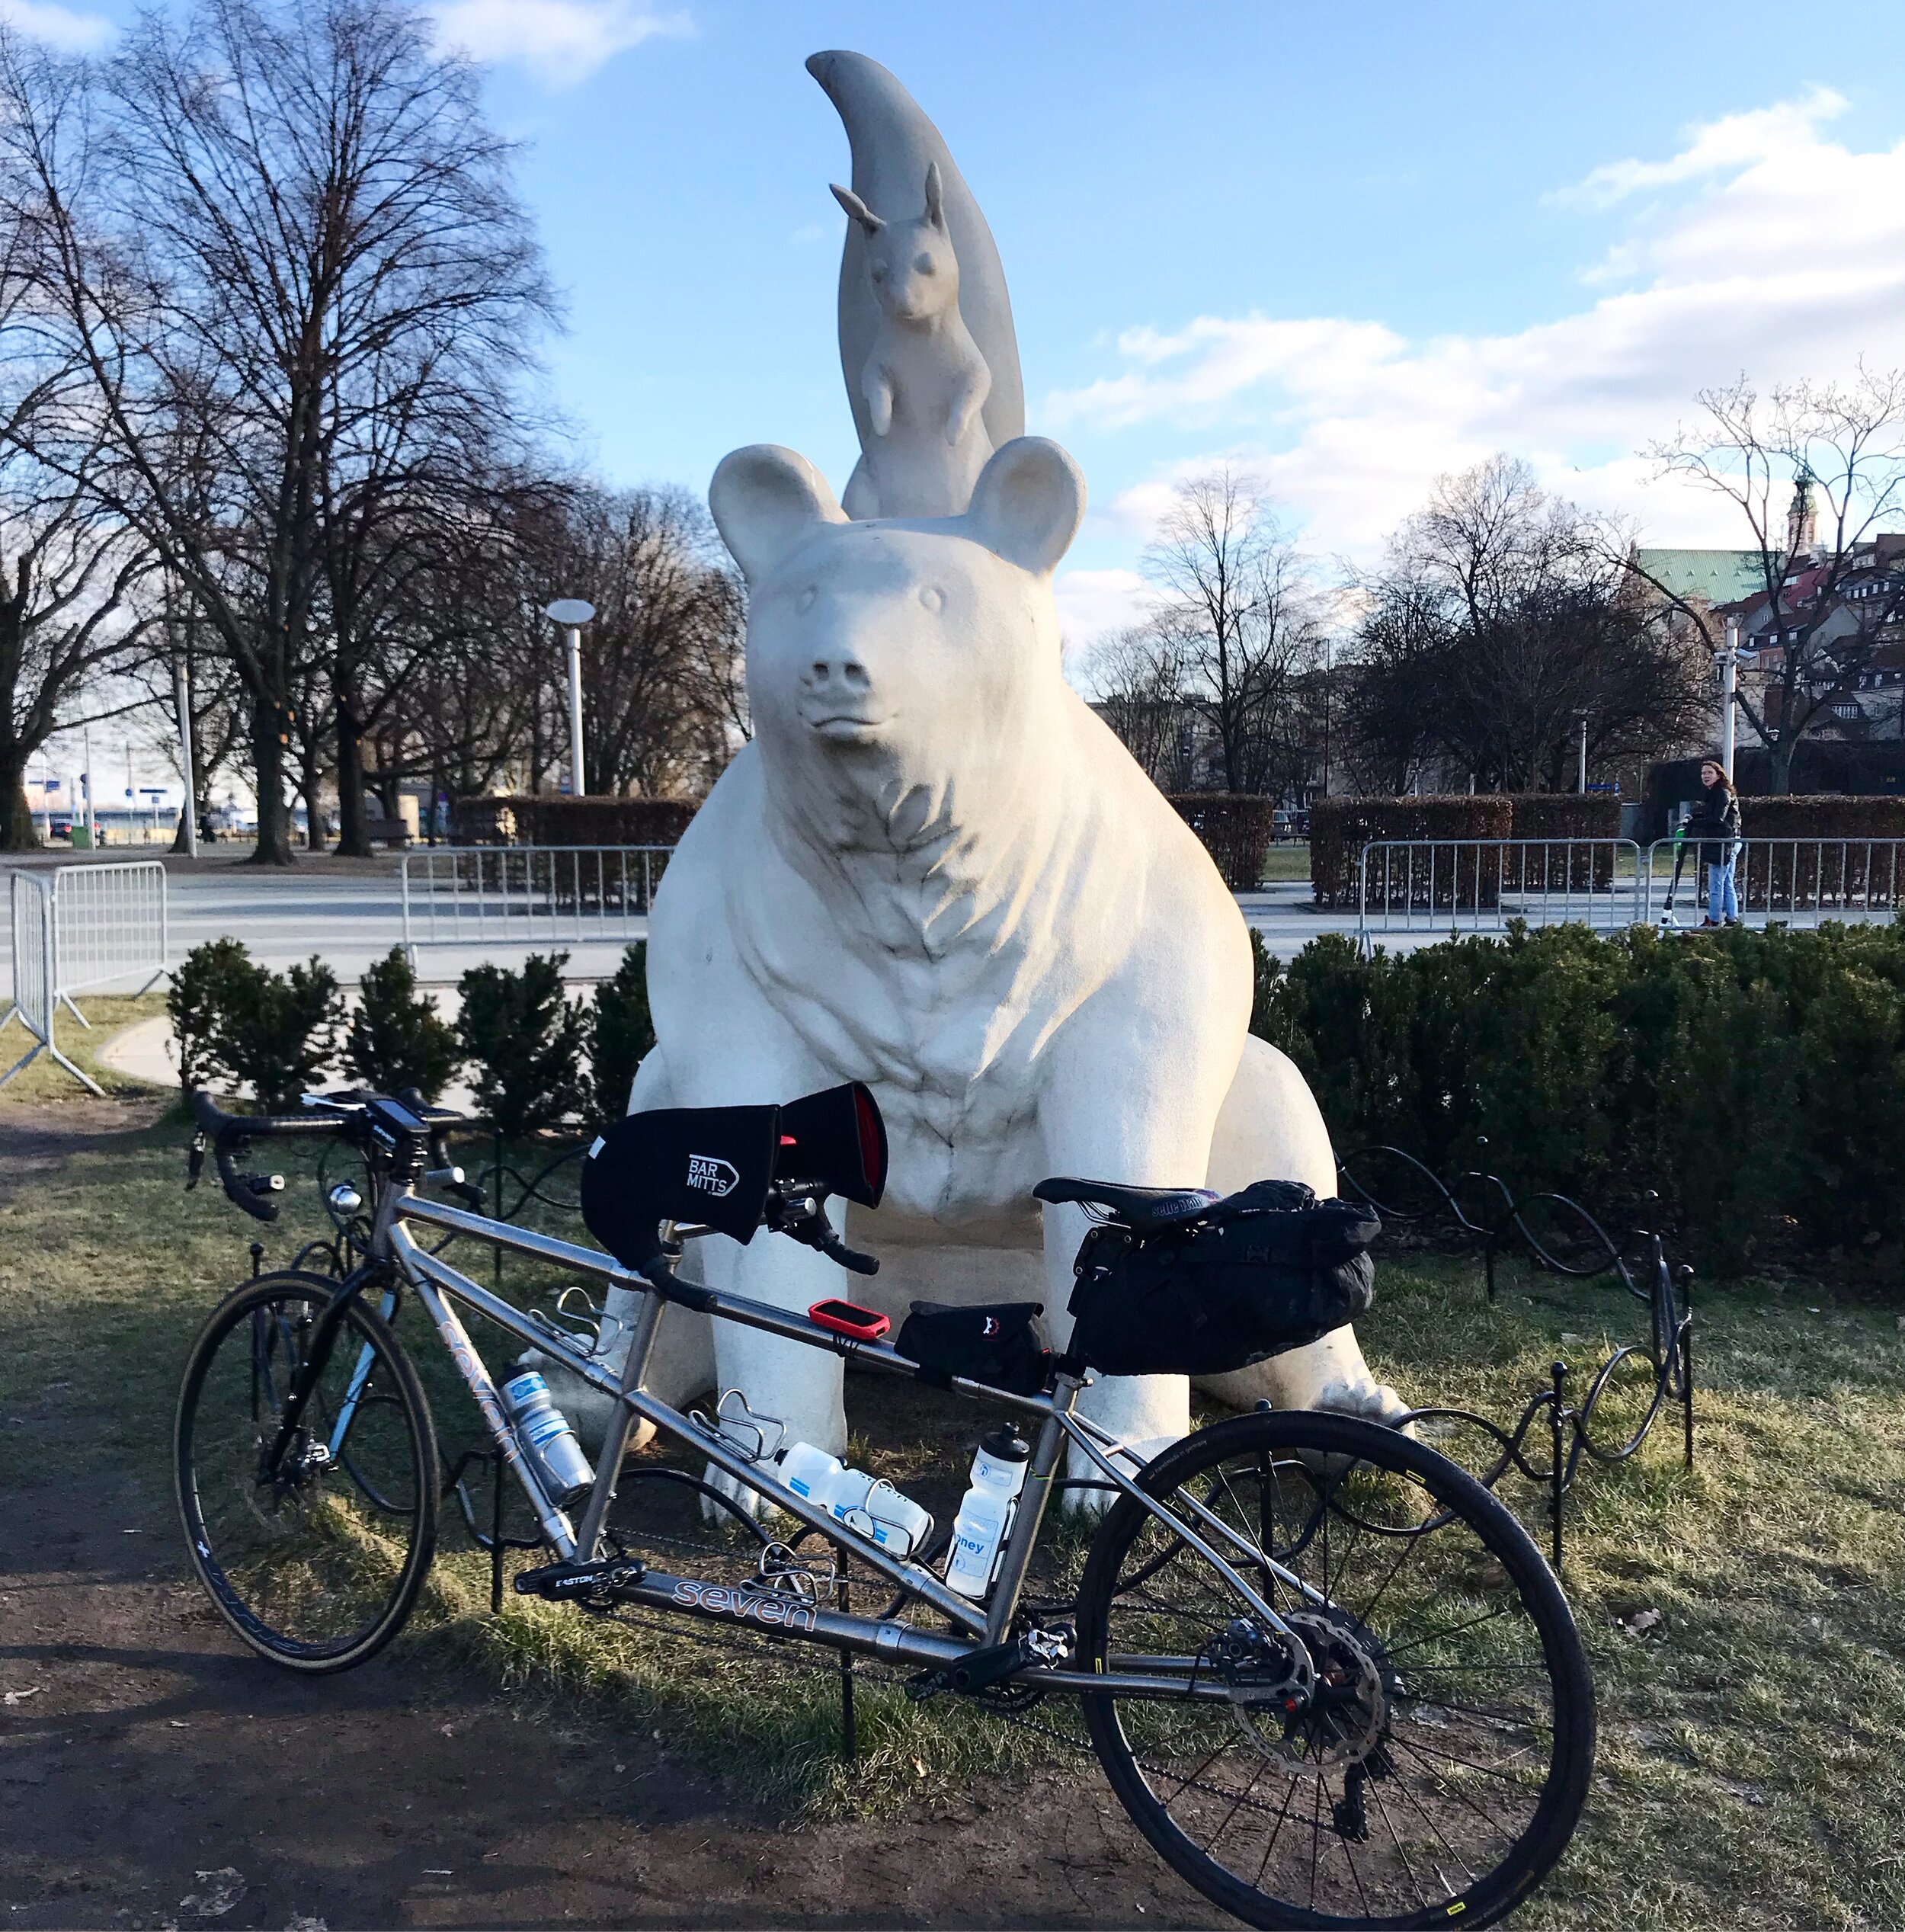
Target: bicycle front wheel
<point>316,1556</point>
<point>1432,1774</point>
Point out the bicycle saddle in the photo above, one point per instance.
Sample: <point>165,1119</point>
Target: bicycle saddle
<point>1144,1210</point>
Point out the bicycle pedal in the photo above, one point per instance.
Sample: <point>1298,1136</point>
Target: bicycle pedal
<point>561,1583</point>
<point>980,1670</point>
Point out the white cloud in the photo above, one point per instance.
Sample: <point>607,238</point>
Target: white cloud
<point>1733,142</point>
<point>1783,253</point>
<point>560,41</point>
<point>1093,602</point>
<point>59,26</point>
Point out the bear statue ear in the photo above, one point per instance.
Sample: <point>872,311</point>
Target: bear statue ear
<point>765,501</point>
<point>1028,503</point>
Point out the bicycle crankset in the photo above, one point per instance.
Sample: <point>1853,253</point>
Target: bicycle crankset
<point>982,1673</point>
<point>593,1583</point>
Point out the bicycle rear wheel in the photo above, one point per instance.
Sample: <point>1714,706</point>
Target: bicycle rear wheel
<point>1434,1775</point>
<point>317,1565</point>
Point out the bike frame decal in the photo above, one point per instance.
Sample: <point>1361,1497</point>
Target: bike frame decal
<point>764,1606</point>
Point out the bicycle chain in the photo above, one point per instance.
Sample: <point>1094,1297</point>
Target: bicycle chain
<point>883,1674</point>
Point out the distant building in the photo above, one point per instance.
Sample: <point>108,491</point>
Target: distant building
<point>1704,579</point>
<point>1853,611</point>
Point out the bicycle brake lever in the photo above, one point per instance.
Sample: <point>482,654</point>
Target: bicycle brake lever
<point>836,1249</point>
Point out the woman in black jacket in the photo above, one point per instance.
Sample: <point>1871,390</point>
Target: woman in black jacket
<point>1715,824</point>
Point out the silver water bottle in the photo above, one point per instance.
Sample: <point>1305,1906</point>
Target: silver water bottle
<point>545,1434</point>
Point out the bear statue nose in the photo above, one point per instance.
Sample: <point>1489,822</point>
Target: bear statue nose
<point>838,673</point>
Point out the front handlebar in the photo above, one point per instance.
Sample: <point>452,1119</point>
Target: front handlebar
<point>795,1209</point>
<point>227,1135</point>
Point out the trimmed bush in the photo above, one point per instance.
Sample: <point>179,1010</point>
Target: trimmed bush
<point>1562,815</point>
<point>277,1033</point>
<point>1822,818</point>
<point>197,998</point>
<point>622,1033</point>
<point>527,1042</point>
<point>1236,828</point>
<point>552,820</point>
<point>1754,1080</point>
<point>1339,828</point>
<point>396,1038</point>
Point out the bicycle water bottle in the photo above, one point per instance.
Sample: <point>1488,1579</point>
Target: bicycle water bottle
<point>544,1430</point>
<point>868,1504</point>
<point>980,1528</point>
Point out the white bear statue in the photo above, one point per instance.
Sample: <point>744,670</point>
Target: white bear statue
<point>935,869</point>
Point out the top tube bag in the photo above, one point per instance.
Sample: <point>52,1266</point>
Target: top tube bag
<point>1265,1269</point>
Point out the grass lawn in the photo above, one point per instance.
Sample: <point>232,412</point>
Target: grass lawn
<point>1748,1775</point>
<point>45,1079</point>
<point>1287,861</point>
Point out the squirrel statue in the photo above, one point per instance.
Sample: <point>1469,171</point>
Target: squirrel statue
<point>926,382</point>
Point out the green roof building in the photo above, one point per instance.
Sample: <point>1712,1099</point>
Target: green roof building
<point>1708,577</point>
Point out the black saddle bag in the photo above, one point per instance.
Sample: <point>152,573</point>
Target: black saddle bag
<point>1004,1345</point>
<point>1264,1270</point>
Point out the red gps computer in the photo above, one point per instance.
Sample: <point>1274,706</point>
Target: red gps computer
<point>850,1319</point>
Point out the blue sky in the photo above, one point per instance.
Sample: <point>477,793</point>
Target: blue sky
<point>1349,247</point>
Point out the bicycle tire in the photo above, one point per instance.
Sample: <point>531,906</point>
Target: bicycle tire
<point>1388,1732</point>
<point>305,1547</point>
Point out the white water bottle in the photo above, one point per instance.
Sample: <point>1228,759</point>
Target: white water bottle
<point>979,1529</point>
<point>545,1431</point>
<point>874,1508</point>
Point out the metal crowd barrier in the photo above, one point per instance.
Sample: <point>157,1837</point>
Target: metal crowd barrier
<point>1479,885</point>
<point>79,926</point>
<point>503,895</point>
<point>1784,881</point>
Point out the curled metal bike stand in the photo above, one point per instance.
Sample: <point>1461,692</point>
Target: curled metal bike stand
<point>1661,1363</point>
<point>511,1190</point>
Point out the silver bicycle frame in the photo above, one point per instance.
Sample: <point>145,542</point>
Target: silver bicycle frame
<point>437,1284</point>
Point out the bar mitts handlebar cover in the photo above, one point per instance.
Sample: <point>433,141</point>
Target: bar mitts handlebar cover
<point>711,1165</point>
<point>716,1166</point>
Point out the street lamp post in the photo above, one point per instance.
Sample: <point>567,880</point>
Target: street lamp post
<point>1727,658</point>
<point>571,613</point>
<point>182,703</point>
<point>1580,781</point>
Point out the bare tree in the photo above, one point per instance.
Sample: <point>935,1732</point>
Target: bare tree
<point>660,684</point>
<point>179,661</point>
<point>1498,624</point>
<point>1834,453</point>
<point>68,570</point>
<point>1394,695</point>
<point>1139,683</point>
<point>288,246</point>
<point>1239,616</point>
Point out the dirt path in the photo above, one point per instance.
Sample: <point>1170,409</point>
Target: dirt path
<point>153,1773</point>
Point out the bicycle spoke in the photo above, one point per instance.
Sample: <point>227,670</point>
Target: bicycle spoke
<point>1426,1794</point>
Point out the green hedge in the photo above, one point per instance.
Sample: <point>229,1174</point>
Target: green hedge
<point>1755,1081</point>
<point>1339,828</point>
<point>1236,827</point>
<point>551,819</point>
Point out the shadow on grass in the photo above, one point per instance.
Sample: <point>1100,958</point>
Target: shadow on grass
<point>1749,1774</point>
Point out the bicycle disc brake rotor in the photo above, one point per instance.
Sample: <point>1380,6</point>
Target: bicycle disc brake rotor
<point>1346,1715</point>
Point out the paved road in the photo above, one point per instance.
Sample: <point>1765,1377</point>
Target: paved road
<point>351,917</point>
